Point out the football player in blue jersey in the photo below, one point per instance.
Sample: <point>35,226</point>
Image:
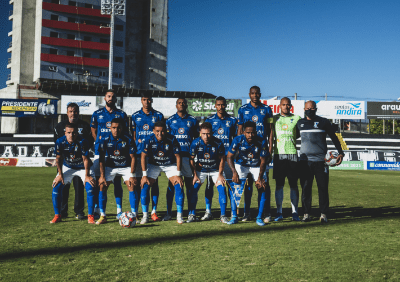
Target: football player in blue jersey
<point>209,153</point>
<point>117,158</point>
<point>224,127</point>
<point>262,116</point>
<point>252,157</point>
<point>162,151</point>
<point>142,127</point>
<point>185,128</point>
<point>72,159</point>
<point>100,124</point>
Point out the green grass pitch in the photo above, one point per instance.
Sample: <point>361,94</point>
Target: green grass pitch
<point>361,242</point>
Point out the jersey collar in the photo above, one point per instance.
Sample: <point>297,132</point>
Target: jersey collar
<point>185,116</point>
<point>150,113</point>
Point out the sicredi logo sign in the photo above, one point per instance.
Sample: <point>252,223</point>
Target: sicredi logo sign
<point>198,106</point>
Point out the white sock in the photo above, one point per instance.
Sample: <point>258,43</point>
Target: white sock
<point>119,210</point>
<point>294,199</point>
<point>178,214</point>
<point>145,214</point>
<point>153,212</point>
<point>103,214</point>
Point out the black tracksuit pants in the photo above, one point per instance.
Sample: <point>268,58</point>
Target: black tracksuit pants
<point>79,204</point>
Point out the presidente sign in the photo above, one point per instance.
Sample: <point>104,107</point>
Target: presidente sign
<point>28,108</point>
<point>341,109</point>
<point>297,106</point>
<point>206,107</point>
<point>383,110</point>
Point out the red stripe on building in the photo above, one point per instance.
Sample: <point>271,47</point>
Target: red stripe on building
<point>75,43</point>
<point>76,27</point>
<point>73,10</point>
<point>74,60</point>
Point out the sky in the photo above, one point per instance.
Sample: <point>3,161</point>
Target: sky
<point>349,49</point>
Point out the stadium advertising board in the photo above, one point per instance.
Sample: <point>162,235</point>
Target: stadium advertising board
<point>297,106</point>
<point>206,107</point>
<point>383,110</point>
<point>341,109</point>
<point>349,165</point>
<point>28,162</point>
<point>383,166</point>
<point>28,108</point>
<point>87,104</point>
<point>167,106</point>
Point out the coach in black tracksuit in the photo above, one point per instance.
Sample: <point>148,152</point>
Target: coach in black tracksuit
<point>313,130</point>
<point>84,131</point>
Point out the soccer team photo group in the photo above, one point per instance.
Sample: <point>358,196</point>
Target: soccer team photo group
<point>231,155</point>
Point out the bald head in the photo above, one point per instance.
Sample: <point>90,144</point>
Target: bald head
<point>285,106</point>
<point>310,109</point>
<point>310,104</point>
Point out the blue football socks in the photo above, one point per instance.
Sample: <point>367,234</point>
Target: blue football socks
<point>179,198</point>
<point>145,197</point>
<point>155,193</point>
<point>57,197</point>
<point>89,197</point>
<point>103,202</point>
<point>222,199</point>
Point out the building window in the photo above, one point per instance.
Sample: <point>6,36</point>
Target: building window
<point>90,6</point>
<point>117,75</point>
<point>53,34</point>
<point>53,51</point>
<point>104,40</point>
<point>119,27</point>
<point>71,20</point>
<point>71,53</point>
<point>86,55</point>
<point>118,59</point>
<point>71,36</point>
<point>70,70</point>
<point>104,57</point>
<point>119,43</point>
<point>53,68</point>
<point>55,1</point>
<point>102,73</point>
<point>87,38</point>
<point>54,17</point>
<point>72,3</point>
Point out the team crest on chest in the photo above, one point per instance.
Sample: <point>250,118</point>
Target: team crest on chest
<point>166,147</point>
<point>254,118</point>
<point>117,116</point>
<point>256,150</point>
<point>123,144</point>
<point>146,127</point>
<point>189,124</point>
<point>213,149</point>
<point>153,120</point>
<point>206,155</point>
<point>316,124</point>
<point>181,130</point>
<point>262,112</point>
<point>228,123</point>
<point>291,120</point>
<point>220,131</point>
<point>80,130</point>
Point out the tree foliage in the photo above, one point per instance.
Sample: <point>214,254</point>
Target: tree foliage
<point>376,126</point>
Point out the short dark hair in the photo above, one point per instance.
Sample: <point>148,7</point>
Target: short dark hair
<point>146,94</point>
<point>256,88</point>
<point>71,125</point>
<point>110,90</point>
<point>160,123</point>
<point>206,125</point>
<point>73,105</point>
<point>181,98</point>
<point>286,98</point>
<point>220,98</point>
<point>118,120</point>
<point>250,124</point>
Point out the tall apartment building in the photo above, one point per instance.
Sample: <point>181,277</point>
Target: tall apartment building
<point>69,41</point>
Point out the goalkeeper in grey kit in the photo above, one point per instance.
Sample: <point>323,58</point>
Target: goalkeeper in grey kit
<point>313,130</point>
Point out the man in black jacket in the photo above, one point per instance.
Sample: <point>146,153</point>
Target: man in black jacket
<point>85,131</point>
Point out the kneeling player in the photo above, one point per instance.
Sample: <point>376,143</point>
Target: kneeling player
<point>252,158</point>
<point>74,150</point>
<point>210,154</point>
<point>163,153</point>
<point>120,151</point>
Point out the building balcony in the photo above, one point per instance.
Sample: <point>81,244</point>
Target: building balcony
<point>10,15</point>
<point>74,10</point>
<point>101,63</point>
<point>9,79</point>
<point>11,2</point>
<point>9,63</point>
<point>10,34</point>
<point>76,43</point>
<point>76,27</point>
<point>9,47</point>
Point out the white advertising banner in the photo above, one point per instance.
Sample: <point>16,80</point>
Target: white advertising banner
<point>341,109</point>
<point>87,104</point>
<point>167,106</point>
<point>297,106</point>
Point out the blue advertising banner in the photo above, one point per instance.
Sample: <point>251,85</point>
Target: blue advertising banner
<point>383,166</point>
<point>28,108</point>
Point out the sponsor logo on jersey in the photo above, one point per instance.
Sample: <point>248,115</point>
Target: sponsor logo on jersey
<point>215,122</point>
<point>146,127</point>
<point>246,112</point>
<point>285,127</point>
<point>160,154</point>
<point>316,124</point>
<point>116,153</point>
<point>220,131</point>
<point>139,119</point>
<point>254,118</point>
<point>181,130</point>
<point>206,155</point>
<point>174,121</point>
<point>109,145</point>
<point>200,149</point>
<point>108,124</point>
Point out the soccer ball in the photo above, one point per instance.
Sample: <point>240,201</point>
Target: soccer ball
<point>127,219</point>
<point>331,158</point>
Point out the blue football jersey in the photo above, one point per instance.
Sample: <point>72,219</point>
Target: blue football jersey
<point>249,154</point>
<point>72,153</point>
<point>143,124</point>
<point>117,151</point>
<point>184,129</point>
<point>101,120</point>
<point>208,156</point>
<point>261,115</point>
<point>161,152</point>
<point>224,129</point>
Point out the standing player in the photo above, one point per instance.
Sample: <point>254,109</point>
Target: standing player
<point>313,130</point>
<point>72,159</point>
<point>163,153</point>
<point>285,157</point>
<point>117,158</point>
<point>224,127</point>
<point>85,132</point>
<point>210,154</point>
<point>261,115</point>
<point>185,128</point>
<point>101,123</point>
<point>142,127</point>
<point>252,158</point>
